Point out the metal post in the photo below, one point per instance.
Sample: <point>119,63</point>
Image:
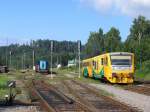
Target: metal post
<point>10,59</point>
<point>33,58</point>
<point>24,60</point>
<point>111,44</point>
<point>79,56</point>
<point>139,36</point>
<point>6,51</point>
<point>51,58</point>
<point>57,60</point>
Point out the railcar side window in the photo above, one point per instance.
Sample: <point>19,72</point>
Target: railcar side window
<point>106,61</point>
<point>95,64</point>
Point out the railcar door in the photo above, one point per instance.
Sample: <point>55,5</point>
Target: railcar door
<point>106,67</point>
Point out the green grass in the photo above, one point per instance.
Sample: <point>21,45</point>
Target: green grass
<point>4,78</point>
<point>140,74</point>
<point>3,85</point>
<point>3,81</point>
<point>144,72</point>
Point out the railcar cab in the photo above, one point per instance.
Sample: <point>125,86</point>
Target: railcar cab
<point>119,67</point>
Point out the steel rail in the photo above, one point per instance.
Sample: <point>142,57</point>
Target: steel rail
<point>85,102</point>
<point>68,104</point>
<point>97,93</point>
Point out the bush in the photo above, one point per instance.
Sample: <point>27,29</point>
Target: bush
<point>146,66</point>
<point>145,71</point>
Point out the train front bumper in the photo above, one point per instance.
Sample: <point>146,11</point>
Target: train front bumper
<point>122,78</point>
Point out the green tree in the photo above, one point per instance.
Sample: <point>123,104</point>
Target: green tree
<point>139,38</point>
<point>113,40</point>
<point>95,45</point>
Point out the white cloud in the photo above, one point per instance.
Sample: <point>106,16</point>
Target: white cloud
<point>127,7</point>
<point>98,4</point>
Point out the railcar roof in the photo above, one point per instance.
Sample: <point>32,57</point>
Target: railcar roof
<point>123,53</point>
<point>111,53</point>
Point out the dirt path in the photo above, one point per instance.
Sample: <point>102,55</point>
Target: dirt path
<point>140,101</point>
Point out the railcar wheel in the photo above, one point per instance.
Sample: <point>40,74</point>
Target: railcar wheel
<point>93,77</point>
<point>103,80</point>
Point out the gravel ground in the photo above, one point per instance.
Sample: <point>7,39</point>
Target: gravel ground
<point>139,101</point>
<point>19,109</point>
<point>69,76</point>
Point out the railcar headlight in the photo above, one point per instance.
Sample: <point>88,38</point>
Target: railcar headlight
<point>115,68</point>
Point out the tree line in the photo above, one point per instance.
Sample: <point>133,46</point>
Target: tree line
<point>98,42</point>
<point>137,42</point>
<point>22,55</point>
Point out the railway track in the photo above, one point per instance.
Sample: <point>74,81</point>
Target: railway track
<point>54,101</point>
<point>94,100</point>
<point>141,88</point>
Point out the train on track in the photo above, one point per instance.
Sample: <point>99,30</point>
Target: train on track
<point>42,66</point>
<point>114,67</point>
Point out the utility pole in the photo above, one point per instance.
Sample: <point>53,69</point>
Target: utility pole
<point>22,62</point>
<point>79,47</point>
<point>57,60</point>
<point>139,37</point>
<point>6,51</point>
<point>103,45</point>
<point>24,55</point>
<point>10,60</point>
<point>111,43</point>
<point>51,58</point>
<point>33,54</point>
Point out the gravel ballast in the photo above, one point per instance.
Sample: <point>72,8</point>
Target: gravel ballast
<point>142,102</point>
<point>19,109</point>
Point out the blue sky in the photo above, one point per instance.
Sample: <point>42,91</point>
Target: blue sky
<point>23,20</point>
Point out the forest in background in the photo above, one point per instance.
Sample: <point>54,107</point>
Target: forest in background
<point>23,54</point>
<point>137,42</point>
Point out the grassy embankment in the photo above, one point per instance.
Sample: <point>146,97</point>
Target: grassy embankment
<point>4,78</point>
<point>144,72</point>
<point>3,85</point>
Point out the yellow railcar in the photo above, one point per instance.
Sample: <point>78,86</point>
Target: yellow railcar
<point>115,67</point>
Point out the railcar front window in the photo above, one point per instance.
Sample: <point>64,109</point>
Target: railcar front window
<point>121,60</point>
